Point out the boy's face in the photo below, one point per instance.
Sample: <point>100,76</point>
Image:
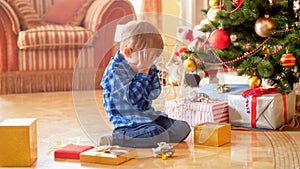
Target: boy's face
<point>132,58</point>
<point>143,59</point>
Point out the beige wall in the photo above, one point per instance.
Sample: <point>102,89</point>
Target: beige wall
<point>191,14</point>
<point>170,7</point>
<point>170,16</point>
<point>192,9</point>
<point>173,17</point>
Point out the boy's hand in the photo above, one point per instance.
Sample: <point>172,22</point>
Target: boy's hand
<point>146,59</point>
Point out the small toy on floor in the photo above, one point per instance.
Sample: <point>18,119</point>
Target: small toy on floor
<point>164,150</point>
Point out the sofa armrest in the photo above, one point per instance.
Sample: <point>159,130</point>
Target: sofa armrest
<point>103,12</point>
<point>11,14</point>
<point>9,29</point>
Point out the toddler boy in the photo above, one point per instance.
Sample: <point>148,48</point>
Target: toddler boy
<point>130,83</point>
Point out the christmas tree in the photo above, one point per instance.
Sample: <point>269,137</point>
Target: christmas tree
<point>258,38</point>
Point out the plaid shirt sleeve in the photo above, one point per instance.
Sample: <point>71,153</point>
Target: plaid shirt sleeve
<point>155,86</point>
<point>144,88</point>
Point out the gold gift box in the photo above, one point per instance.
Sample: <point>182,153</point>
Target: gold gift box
<point>115,156</point>
<point>212,134</point>
<point>18,142</point>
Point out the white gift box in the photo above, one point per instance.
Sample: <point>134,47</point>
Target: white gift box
<point>271,111</point>
<point>198,112</point>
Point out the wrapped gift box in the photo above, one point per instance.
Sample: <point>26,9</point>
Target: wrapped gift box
<point>271,110</point>
<point>18,142</point>
<point>71,151</point>
<point>115,156</point>
<point>212,134</point>
<point>198,112</point>
<point>211,90</point>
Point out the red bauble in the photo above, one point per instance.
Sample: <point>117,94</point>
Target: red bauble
<point>288,60</point>
<point>219,39</point>
<point>181,50</point>
<point>237,2</point>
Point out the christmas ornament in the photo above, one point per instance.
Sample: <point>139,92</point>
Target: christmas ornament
<point>172,81</point>
<point>276,49</point>
<point>163,77</point>
<point>198,96</point>
<point>189,64</point>
<point>183,49</point>
<point>237,3</point>
<point>223,88</point>
<point>192,80</point>
<point>254,81</point>
<point>233,38</point>
<point>264,26</point>
<point>189,36</point>
<point>265,50</point>
<point>203,23</point>
<point>212,13</point>
<point>288,60</point>
<point>275,2</point>
<point>219,39</point>
<point>247,47</point>
<point>213,3</point>
<point>180,52</point>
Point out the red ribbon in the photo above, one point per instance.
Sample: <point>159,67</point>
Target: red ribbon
<point>253,112</point>
<point>256,92</point>
<point>285,109</point>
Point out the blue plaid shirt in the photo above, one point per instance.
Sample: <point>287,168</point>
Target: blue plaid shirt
<point>128,95</point>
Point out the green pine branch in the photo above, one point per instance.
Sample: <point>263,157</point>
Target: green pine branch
<point>265,62</point>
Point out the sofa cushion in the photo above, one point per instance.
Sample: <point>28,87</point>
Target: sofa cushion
<point>26,13</point>
<point>73,14</point>
<point>59,59</point>
<point>53,37</point>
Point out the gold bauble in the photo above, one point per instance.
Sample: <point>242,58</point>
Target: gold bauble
<point>213,3</point>
<point>189,65</point>
<point>264,26</point>
<point>212,13</point>
<point>275,2</point>
<point>254,81</point>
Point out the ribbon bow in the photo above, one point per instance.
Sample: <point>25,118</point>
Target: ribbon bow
<point>198,96</point>
<point>256,92</point>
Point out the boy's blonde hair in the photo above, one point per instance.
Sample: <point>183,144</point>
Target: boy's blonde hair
<point>139,35</point>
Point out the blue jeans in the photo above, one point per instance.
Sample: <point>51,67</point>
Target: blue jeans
<point>163,129</point>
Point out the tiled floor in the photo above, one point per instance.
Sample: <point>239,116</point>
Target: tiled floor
<point>66,117</point>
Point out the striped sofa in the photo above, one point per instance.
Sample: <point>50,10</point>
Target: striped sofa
<point>45,57</point>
